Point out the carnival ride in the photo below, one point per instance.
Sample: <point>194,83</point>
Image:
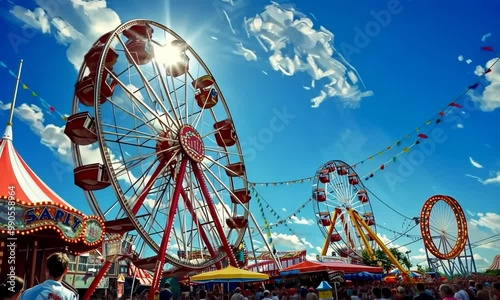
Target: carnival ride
<point>445,235</point>
<point>147,104</point>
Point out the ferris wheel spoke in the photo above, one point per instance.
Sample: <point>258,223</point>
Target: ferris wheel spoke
<point>201,181</point>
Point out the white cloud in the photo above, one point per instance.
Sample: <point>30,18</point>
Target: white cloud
<point>293,46</point>
<point>468,61</point>
<point>485,37</point>
<point>489,220</point>
<point>283,209</point>
<point>301,221</point>
<point>285,242</point>
<point>36,19</point>
<point>475,177</point>
<point>475,164</point>
<point>460,58</point>
<point>494,179</point>
<point>387,242</point>
<point>78,24</point>
<point>229,21</point>
<point>248,54</point>
<point>489,97</point>
<point>460,126</point>
<point>470,213</point>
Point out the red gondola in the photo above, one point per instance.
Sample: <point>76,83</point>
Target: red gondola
<point>182,65</point>
<point>369,219</point>
<point>335,237</point>
<point>206,95</point>
<point>362,196</point>
<point>342,170</point>
<point>84,89</point>
<point>324,176</point>
<point>325,221</point>
<point>353,179</point>
<point>237,222</point>
<point>80,129</point>
<point>319,195</point>
<point>331,168</point>
<point>92,57</point>
<point>139,43</point>
<point>235,170</point>
<point>242,195</point>
<point>225,135</point>
<point>92,177</point>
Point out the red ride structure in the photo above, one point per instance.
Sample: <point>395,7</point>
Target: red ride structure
<point>169,151</point>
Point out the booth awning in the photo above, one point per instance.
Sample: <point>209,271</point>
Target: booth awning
<point>311,266</point>
<point>230,274</point>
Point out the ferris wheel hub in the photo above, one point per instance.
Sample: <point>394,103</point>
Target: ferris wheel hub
<point>192,143</point>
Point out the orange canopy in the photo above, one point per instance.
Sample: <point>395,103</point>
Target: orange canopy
<point>315,266</point>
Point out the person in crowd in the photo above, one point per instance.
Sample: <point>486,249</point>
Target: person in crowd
<point>386,293</point>
<point>267,295</point>
<point>447,292</point>
<point>481,293</point>
<point>202,295</point>
<point>259,295</point>
<point>275,295</point>
<point>53,287</point>
<point>377,293</point>
<point>311,295</point>
<point>12,288</point>
<point>401,294</point>
<point>460,294</point>
<point>355,295</point>
<point>495,291</point>
<point>422,293</point>
<point>238,295</point>
<point>166,293</point>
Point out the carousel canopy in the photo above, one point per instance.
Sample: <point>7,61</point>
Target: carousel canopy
<point>36,208</point>
<point>495,265</point>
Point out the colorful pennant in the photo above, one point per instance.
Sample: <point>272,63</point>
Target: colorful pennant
<point>434,120</point>
<point>50,108</point>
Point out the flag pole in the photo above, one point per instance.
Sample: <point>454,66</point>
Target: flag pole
<point>14,97</point>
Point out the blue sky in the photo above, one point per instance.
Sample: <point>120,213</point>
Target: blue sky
<point>409,59</point>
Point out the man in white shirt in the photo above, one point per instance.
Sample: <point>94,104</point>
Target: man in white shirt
<point>52,288</point>
<point>459,293</point>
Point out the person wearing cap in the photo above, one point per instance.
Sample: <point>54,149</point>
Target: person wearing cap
<point>237,295</point>
<point>267,295</point>
<point>311,295</point>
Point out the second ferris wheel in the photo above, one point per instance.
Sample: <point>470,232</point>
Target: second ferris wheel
<point>343,211</point>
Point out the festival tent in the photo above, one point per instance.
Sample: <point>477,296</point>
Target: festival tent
<point>229,274</point>
<point>36,219</point>
<point>495,265</point>
<point>312,266</point>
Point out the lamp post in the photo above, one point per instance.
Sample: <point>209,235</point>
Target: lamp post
<point>408,254</point>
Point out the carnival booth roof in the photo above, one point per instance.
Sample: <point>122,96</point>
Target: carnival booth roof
<point>37,208</point>
<point>312,266</point>
<point>230,274</point>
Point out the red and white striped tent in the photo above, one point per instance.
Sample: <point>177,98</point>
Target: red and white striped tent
<point>144,277</point>
<point>495,265</point>
<point>34,217</point>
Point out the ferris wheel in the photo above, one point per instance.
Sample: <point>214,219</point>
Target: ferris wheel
<point>150,122</point>
<point>343,211</point>
<point>443,227</point>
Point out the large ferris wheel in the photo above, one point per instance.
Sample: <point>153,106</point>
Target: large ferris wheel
<point>150,121</point>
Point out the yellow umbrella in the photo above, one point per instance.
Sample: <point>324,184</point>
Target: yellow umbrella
<point>230,274</point>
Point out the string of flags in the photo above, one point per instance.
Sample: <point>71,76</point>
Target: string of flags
<point>50,108</point>
<point>432,121</point>
<point>280,220</point>
<point>266,228</point>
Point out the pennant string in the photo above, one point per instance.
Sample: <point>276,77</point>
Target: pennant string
<point>51,108</point>
<point>434,120</point>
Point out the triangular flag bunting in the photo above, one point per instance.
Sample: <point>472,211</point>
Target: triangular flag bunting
<point>487,48</point>
<point>453,104</point>
<point>474,86</point>
<point>25,87</point>
<point>422,136</point>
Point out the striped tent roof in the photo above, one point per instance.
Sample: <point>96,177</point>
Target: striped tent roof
<point>495,265</point>
<point>144,277</point>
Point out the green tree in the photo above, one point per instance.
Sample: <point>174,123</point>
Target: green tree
<point>382,259</point>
